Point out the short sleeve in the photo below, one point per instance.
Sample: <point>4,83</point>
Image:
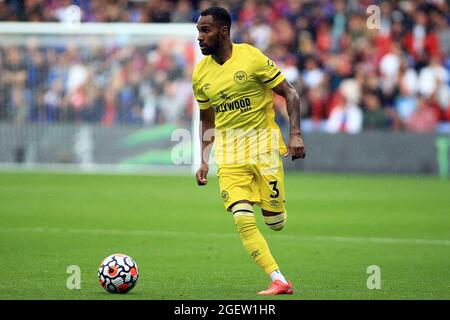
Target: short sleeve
<point>266,70</point>
<point>202,99</point>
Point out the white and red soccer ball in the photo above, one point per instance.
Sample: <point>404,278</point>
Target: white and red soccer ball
<point>118,273</point>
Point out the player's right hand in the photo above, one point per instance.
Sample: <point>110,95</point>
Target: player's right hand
<point>201,174</point>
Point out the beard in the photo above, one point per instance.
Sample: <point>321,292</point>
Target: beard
<point>212,48</point>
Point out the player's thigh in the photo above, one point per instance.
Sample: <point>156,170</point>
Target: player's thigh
<point>237,184</point>
<point>271,187</point>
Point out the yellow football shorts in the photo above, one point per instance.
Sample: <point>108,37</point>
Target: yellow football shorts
<point>260,181</point>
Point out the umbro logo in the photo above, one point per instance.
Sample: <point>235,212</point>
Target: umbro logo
<point>224,96</point>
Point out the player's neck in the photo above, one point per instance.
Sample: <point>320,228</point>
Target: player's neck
<point>224,54</point>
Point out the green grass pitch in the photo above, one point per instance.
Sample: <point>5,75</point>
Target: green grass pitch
<point>186,246</point>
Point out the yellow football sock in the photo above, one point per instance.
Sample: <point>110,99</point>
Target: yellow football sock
<point>251,237</point>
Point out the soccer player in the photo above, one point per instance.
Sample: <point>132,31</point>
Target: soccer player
<point>233,87</point>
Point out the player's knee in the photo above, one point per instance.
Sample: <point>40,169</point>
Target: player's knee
<point>275,220</point>
<point>245,225</point>
<point>244,217</point>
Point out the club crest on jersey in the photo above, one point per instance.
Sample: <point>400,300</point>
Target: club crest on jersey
<point>205,87</point>
<point>240,77</point>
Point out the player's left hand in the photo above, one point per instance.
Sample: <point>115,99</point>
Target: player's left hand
<point>296,147</point>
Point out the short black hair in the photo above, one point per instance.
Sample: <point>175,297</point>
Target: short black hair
<point>220,15</point>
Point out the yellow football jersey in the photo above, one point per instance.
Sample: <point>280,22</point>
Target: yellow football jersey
<point>240,93</point>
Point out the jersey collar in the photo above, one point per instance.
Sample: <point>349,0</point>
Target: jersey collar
<point>233,54</point>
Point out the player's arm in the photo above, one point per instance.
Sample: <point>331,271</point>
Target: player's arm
<point>207,126</point>
<point>296,146</point>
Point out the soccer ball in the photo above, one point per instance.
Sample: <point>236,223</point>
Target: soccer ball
<point>118,273</point>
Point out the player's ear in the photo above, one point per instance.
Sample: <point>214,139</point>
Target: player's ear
<point>224,31</point>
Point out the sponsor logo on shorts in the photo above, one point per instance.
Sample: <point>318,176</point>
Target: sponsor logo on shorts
<point>274,203</point>
<point>225,196</point>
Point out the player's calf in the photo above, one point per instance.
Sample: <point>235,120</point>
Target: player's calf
<point>251,237</point>
<point>274,220</point>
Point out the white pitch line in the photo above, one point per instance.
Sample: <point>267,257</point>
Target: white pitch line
<point>378,240</point>
<point>228,235</point>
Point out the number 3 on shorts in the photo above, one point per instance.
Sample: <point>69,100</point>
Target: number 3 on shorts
<point>275,189</point>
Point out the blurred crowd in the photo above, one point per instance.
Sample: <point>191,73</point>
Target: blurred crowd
<point>355,69</point>
<point>120,84</point>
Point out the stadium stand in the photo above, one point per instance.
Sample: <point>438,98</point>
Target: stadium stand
<point>352,77</point>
